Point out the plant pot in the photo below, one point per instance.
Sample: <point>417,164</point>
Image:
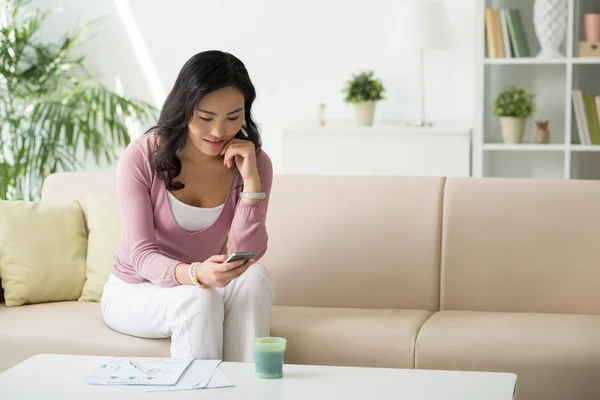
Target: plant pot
<point>512,129</point>
<point>364,113</point>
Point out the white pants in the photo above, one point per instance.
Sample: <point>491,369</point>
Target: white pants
<point>209,323</point>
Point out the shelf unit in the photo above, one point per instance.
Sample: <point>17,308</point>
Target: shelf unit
<point>551,81</point>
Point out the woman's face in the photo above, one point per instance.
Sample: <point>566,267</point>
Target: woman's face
<point>218,117</point>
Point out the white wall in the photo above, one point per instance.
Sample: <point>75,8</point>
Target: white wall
<point>298,53</point>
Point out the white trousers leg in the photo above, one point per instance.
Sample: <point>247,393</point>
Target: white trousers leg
<point>210,323</point>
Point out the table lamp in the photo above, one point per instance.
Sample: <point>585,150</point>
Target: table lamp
<point>421,25</point>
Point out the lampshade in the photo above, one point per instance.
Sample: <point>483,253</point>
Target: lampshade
<point>421,25</point>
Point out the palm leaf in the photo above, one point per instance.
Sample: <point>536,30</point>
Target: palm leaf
<point>51,109</point>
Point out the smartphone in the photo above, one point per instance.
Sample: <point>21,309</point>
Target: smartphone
<point>240,255</point>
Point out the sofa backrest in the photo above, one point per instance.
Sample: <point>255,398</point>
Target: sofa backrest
<point>497,244</point>
<point>68,186</point>
<point>364,242</point>
<point>521,245</point>
<point>359,242</point>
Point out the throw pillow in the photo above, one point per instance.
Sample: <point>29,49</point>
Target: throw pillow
<point>42,251</point>
<point>104,226</point>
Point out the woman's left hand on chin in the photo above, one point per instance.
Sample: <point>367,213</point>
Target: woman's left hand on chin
<point>244,154</point>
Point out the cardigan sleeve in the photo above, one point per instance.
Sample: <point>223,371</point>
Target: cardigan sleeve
<point>134,180</point>
<point>248,228</point>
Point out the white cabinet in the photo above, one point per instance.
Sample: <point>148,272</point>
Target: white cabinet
<point>376,150</point>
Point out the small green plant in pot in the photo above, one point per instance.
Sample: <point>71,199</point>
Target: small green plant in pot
<point>363,91</point>
<point>513,106</point>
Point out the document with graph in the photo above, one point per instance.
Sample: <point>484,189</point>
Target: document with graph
<point>139,371</point>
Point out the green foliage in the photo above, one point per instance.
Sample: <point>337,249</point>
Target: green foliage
<point>514,102</point>
<point>363,87</point>
<point>51,110</point>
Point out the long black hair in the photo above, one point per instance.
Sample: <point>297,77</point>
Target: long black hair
<point>202,74</point>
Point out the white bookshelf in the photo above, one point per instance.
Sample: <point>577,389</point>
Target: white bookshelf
<point>552,81</point>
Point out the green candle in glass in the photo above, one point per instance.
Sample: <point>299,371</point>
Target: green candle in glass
<point>268,357</point>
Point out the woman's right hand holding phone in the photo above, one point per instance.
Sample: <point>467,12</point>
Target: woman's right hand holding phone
<point>216,272</point>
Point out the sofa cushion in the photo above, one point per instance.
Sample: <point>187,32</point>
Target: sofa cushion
<point>348,337</point>
<point>42,251</point>
<point>104,226</point>
<point>333,245</point>
<point>352,337</point>
<point>69,328</point>
<point>555,356</point>
<point>521,245</point>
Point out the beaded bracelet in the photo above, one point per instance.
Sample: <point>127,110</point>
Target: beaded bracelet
<point>193,277</point>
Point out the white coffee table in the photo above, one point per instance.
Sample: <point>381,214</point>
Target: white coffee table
<point>51,376</point>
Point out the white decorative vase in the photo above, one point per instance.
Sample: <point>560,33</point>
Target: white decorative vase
<point>550,22</point>
<point>364,112</point>
<point>512,129</point>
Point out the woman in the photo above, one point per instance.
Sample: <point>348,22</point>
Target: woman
<point>194,188</point>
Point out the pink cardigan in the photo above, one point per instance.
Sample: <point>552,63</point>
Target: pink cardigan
<point>152,244</point>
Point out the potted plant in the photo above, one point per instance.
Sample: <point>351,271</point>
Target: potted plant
<point>363,91</point>
<point>513,106</point>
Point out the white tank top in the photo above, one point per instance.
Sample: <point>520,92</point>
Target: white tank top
<point>192,218</point>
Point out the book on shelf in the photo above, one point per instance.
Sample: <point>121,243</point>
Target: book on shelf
<point>505,34</point>
<point>505,39</point>
<point>587,117</point>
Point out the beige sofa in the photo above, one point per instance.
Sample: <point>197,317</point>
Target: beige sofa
<point>435,273</point>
